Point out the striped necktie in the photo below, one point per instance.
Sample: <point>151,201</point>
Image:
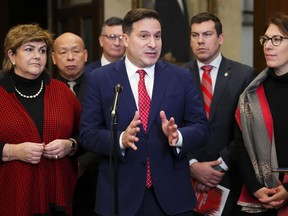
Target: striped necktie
<point>207,88</point>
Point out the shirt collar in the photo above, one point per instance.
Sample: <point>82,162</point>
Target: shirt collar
<point>215,63</point>
<point>132,69</point>
<point>104,61</point>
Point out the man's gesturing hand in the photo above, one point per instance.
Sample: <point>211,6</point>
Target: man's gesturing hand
<point>169,128</point>
<point>129,136</point>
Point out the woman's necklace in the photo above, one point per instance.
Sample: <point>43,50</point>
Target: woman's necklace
<point>30,96</point>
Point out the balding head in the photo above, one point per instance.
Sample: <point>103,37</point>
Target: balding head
<point>69,55</point>
<point>68,37</point>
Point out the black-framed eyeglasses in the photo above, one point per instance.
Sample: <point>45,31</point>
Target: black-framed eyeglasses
<point>113,36</point>
<point>276,40</point>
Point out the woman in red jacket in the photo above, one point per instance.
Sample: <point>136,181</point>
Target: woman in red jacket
<point>39,128</point>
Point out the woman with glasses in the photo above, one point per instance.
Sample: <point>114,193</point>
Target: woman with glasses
<point>262,136</point>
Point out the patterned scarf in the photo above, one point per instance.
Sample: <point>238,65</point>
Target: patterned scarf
<point>256,123</point>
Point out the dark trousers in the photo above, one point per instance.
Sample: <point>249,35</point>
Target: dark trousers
<point>85,195</point>
<point>151,207</point>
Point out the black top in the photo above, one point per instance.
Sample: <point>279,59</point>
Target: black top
<point>34,106</point>
<point>276,91</point>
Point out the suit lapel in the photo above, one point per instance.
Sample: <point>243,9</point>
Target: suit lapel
<point>196,78</point>
<point>126,103</point>
<point>223,77</point>
<point>160,84</point>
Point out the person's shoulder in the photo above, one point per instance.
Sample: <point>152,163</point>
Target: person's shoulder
<point>54,82</point>
<point>237,63</point>
<point>172,69</point>
<point>4,78</point>
<point>92,66</point>
<point>167,65</point>
<point>189,64</point>
<point>239,67</point>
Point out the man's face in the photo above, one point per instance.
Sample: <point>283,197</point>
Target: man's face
<point>111,42</point>
<point>143,44</point>
<point>204,41</point>
<point>69,55</point>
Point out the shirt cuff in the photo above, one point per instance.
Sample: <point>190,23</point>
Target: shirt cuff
<point>122,149</point>
<point>192,161</point>
<point>223,164</point>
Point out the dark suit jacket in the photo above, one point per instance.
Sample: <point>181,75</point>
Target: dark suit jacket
<point>84,193</point>
<point>175,93</point>
<point>175,29</point>
<point>88,68</point>
<point>89,160</point>
<point>231,80</point>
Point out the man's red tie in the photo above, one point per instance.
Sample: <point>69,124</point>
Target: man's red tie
<point>144,108</point>
<point>207,88</point>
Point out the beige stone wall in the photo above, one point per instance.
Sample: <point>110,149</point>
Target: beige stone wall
<point>116,8</point>
<point>230,14</point>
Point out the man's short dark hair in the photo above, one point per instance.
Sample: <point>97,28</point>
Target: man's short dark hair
<point>135,15</point>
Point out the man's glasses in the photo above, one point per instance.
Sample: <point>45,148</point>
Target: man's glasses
<point>276,40</point>
<point>113,36</point>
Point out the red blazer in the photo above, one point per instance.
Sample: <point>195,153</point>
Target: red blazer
<point>28,189</point>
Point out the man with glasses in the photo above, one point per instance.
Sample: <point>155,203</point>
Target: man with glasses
<point>111,42</point>
<point>211,165</point>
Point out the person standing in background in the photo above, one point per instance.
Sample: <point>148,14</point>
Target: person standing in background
<point>175,30</point>
<point>160,120</point>
<point>39,129</point>
<point>69,55</point>
<point>111,42</point>
<point>211,165</point>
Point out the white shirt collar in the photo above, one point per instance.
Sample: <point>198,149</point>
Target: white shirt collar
<point>104,61</point>
<point>215,63</point>
<point>132,69</point>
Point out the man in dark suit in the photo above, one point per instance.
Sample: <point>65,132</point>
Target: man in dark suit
<point>175,30</point>
<point>154,146</point>
<point>111,42</point>
<point>229,79</point>
<point>69,55</point>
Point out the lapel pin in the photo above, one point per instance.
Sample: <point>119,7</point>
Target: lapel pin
<point>226,74</point>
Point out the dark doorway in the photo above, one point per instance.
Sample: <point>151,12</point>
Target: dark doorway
<point>14,12</point>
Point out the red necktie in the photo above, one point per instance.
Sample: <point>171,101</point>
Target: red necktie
<point>207,88</point>
<point>144,108</point>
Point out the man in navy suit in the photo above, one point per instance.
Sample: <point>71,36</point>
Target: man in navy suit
<point>211,165</point>
<point>176,125</point>
<point>111,42</point>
